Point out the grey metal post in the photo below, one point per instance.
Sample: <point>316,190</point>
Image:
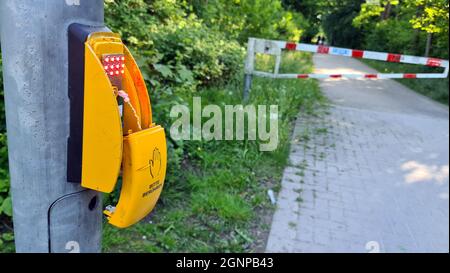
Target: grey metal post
<point>49,214</point>
<point>249,67</point>
<point>248,79</point>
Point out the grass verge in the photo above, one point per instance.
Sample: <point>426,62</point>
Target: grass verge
<point>215,199</point>
<point>436,89</point>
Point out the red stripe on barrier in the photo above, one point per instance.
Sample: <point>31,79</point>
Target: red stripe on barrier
<point>394,58</point>
<point>371,76</point>
<point>323,50</point>
<point>291,46</point>
<point>410,76</point>
<point>434,62</point>
<point>302,76</point>
<point>336,76</point>
<point>357,53</point>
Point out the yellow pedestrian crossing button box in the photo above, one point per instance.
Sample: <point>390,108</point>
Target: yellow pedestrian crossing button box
<point>111,127</point>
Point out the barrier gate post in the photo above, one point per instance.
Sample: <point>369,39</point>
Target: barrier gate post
<point>49,214</point>
<point>249,67</point>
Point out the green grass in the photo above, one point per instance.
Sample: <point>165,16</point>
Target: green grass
<point>436,89</point>
<point>215,199</point>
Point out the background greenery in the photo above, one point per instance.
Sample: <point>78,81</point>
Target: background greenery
<point>413,27</point>
<point>215,198</point>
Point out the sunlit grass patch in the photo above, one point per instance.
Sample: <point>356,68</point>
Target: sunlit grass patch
<point>436,89</point>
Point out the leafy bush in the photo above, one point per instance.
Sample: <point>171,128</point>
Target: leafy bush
<point>176,51</point>
<point>173,44</point>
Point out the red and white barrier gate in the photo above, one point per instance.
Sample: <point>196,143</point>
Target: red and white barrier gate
<point>275,48</point>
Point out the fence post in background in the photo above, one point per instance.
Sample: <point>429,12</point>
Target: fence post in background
<point>277,64</point>
<point>249,68</point>
<point>49,214</point>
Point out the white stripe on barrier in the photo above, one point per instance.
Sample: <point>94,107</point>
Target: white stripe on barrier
<point>413,60</point>
<point>307,48</point>
<point>372,55</point>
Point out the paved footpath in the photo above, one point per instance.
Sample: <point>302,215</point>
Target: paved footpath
<point>371,175</point>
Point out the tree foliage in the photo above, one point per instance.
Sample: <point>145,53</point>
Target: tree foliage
<point>432,16</point>
<point>313,11</point>
<point>333,17</point>
<point>337,23</point>
<point>240,19</point>
<point>405,26</point>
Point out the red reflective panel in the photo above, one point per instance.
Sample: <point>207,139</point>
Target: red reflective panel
<point>394,58</point>
<point>323,49</point>
<point>357,53</point>
<point>434,62</point>
<point>410,76</point>
<point>291,46</point>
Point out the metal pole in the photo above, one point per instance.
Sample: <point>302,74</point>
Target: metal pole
<point>247,86</point>
<point>249,67</point>
<point>49,214</point>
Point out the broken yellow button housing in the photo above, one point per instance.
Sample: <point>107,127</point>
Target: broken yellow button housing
<point>143,176</point>
<point>106,136</point>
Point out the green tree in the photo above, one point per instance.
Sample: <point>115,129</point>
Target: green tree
<point>420,25</point>
<point>432,17</point>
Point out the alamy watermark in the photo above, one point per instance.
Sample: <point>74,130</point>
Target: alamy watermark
<point>373,247</point>
<point>73,2</point>
<point>73,247</point>
<point>227,123</point>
